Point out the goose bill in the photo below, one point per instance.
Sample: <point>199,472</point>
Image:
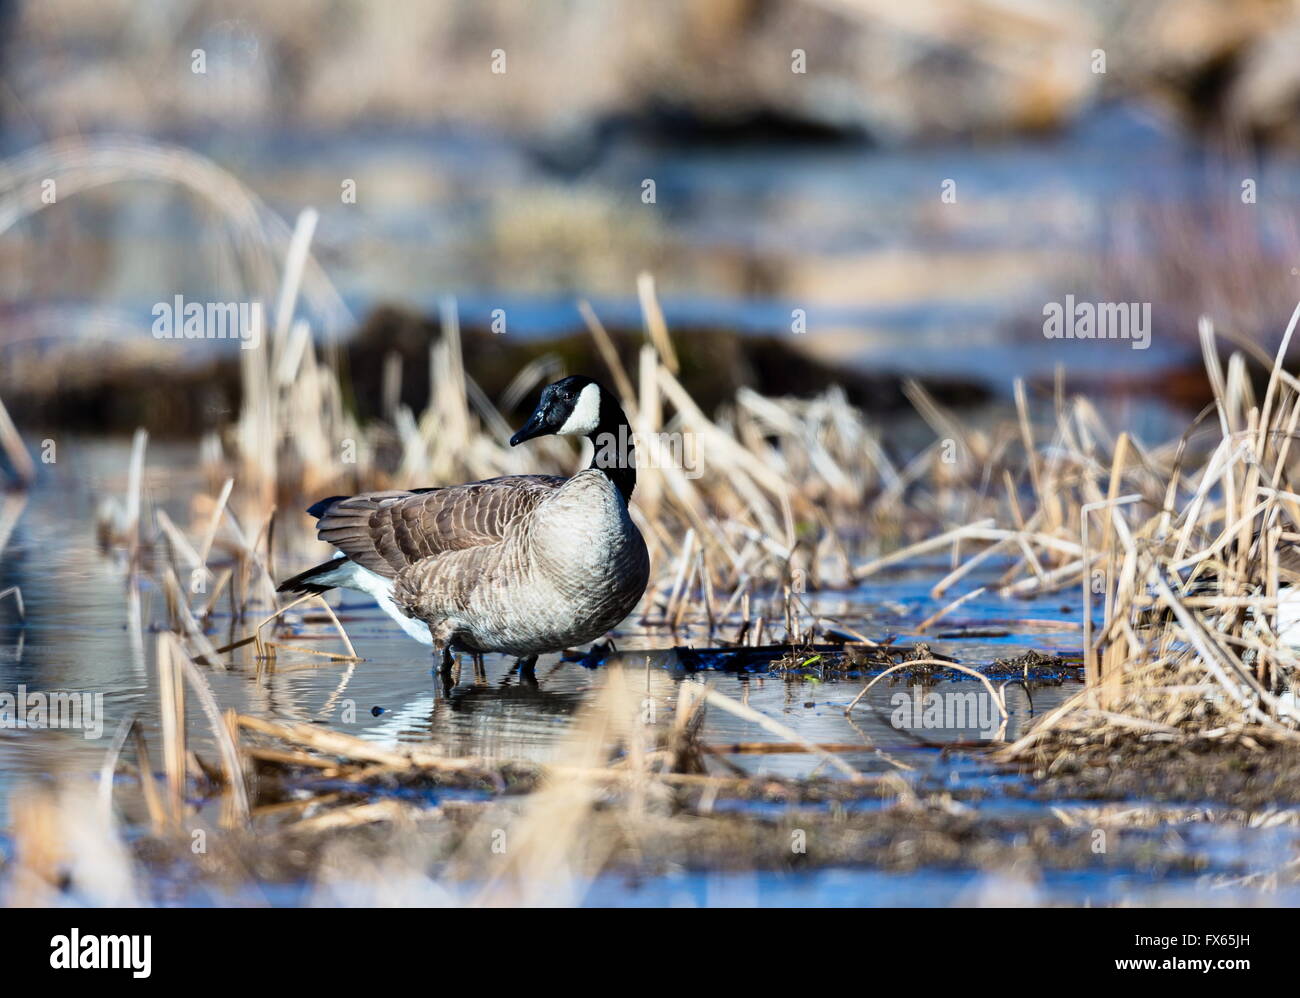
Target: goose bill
<point>535,427</point>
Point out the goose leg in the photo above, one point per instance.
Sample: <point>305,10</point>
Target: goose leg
<point>443,653</point>
<point>480,673</point>
<point>525,667</point>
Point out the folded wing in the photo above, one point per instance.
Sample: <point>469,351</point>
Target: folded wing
<point>387,531</point>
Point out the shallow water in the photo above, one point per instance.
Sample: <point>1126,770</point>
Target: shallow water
<point>88,630</point>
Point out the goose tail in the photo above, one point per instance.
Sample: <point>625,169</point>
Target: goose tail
<point>317,579</point>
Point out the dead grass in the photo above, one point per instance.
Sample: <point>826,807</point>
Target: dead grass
<point>1183,555</point>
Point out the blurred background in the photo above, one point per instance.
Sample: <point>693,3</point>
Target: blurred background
<point>914,180</point>
<point>818,193</point>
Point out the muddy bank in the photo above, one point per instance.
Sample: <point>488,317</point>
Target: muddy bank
<point>493,833</point>
<point>447,827</point>
<point>450,845</point>
<point>1245,770</point>
<point>112,389</point>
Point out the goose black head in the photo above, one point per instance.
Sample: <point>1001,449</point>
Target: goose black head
<point>571,407</point>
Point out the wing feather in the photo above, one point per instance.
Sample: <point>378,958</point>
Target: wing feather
<point>387,531</point>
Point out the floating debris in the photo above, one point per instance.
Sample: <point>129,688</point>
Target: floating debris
<point>824,661</point>
<point>1038,667</point>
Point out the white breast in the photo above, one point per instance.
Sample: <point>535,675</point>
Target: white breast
<point>587,568</point>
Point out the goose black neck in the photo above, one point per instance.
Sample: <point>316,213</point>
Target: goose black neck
<point>615,450</point>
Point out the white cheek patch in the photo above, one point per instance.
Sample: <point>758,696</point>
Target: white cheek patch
<point>585,416</point>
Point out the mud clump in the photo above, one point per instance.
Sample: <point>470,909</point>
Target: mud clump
<point>1036,666</point>
<point>1244,769</point>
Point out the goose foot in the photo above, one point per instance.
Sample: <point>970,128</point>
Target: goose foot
<point>525,667</point>
<point>600,652</point>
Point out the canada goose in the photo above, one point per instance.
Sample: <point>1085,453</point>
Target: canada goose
<point>523,564</point>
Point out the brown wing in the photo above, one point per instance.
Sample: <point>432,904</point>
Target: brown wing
<point>387,531</point>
